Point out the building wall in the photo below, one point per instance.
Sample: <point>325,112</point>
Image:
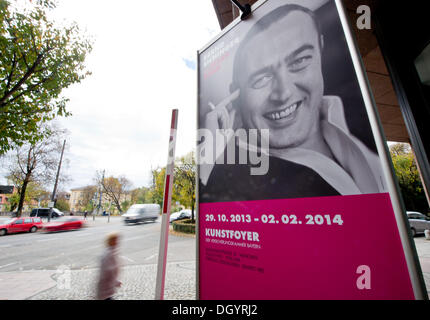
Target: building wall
<point>75,201</point>
<point>4,199</point>
<point>77,198</point>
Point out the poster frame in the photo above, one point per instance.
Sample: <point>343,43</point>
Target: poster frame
<point>408,246</point>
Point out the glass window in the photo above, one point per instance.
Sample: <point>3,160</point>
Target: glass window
<point>19,221</point>
<point>43,212</point>
<point>28,220</point>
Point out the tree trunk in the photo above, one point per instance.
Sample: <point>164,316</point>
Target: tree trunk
<point>13,206</point>
<point>22,194</point>
<point>118,207</point>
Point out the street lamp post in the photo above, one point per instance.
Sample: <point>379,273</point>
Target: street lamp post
<point>94,201</point>
<point>101,193</point>
<point>53,197</point>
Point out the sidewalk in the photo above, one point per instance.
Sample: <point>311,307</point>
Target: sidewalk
<point>23,284</point>
<point>138,283</point>
<point>423,250</point>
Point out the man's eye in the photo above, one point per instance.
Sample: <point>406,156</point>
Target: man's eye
<point>300,63</point>
<point>262,81</point>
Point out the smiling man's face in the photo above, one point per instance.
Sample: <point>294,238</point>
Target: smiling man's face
<point>281,83</point>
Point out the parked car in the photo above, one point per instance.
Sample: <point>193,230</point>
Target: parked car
<point>180,215</point>
<point>44,213</point>
<point>418,222</point>
<point>141,213</point>
<point>64,224</point>
<point>24,224</point>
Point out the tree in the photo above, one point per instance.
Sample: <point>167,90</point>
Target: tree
<point>125,205</point>
<point>36,163</point>
<point>140,195</point>
<point>157,188</point>
<point>156,191</point>
<point>115,189</point>
<point>34,191</point>
<point>62,203</point>
<point>408,176</point>
<point>184,183</point>
<point>400,149</point>
<point>185,180</point>
<point>37,61</point>
<point>13,201</point>
<point>87,203</point>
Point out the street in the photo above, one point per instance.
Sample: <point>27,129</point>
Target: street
<point>31,264</point>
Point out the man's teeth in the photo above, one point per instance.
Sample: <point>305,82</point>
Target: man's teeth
<point>285,113</point>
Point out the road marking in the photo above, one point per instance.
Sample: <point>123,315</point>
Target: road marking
<point>47,239</point>
<point>84,235</point>
<point>10,264</point>
<point>124,257</point>
<point>140,237</point>
<point>38,262</point>
<point>6,246</point>
<point>150,257</point>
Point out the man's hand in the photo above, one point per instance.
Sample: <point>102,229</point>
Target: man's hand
<point>222,115</point>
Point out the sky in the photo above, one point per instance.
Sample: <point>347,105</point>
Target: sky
<point>143,65</point>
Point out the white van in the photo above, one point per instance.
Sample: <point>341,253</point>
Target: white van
<point>141,213</point>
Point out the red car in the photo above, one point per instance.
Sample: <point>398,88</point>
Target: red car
<point>16,225</point>
<point>63,224</point>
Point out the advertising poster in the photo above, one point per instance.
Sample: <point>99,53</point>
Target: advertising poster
<point>293,202</point>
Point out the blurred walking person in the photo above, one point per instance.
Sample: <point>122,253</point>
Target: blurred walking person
<point>109,269</point>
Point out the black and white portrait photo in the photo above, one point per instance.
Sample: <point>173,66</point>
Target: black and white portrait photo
<point>281,88</point>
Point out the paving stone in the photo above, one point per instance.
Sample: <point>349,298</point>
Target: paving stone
<point>138,283</point>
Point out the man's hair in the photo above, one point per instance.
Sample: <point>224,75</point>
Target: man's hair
<point>262,25</point>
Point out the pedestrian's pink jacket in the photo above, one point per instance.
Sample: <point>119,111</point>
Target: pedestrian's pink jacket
<point>109,271</point>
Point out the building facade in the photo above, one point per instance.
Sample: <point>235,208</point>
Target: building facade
<point>85,198</point>
<point>5,193</point>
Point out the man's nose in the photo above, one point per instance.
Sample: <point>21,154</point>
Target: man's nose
<point>283,86</point>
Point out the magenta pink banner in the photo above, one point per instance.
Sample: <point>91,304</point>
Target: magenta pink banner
<point>341,247</point>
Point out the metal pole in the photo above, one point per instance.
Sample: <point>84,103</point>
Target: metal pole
<point>94,210</point>
<point>56,183</point>
<point>101,193</point>
<point>164,235</point>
